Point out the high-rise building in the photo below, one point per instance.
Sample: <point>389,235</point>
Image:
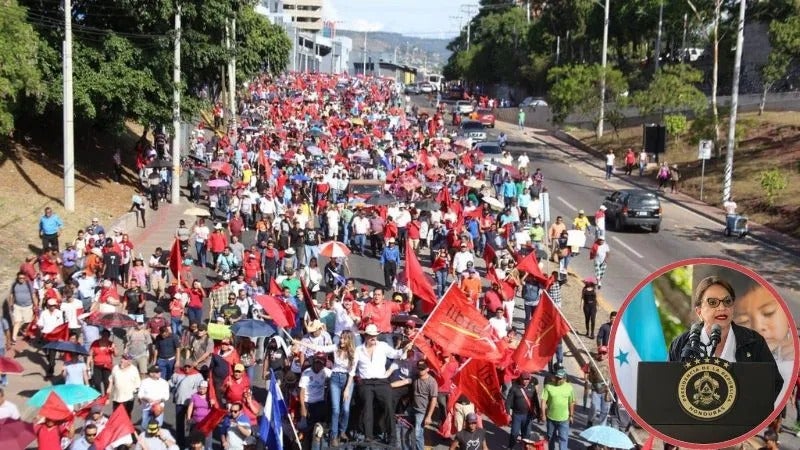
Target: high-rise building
<point>306,14</point>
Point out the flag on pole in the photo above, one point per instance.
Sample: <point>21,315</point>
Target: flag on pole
<point>545,330</point>
<point>278,310</point>
<point>417,281</point>
<point>119,425</point>
<point>311,308</point>
<point>639,337</point>
<point>478,381</point>
<point>270,426</point>
<point>175,259</point>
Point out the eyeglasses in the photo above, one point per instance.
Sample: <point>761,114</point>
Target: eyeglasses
<point>91,435</point>
<point>234,411</point>
<point>714,302</point>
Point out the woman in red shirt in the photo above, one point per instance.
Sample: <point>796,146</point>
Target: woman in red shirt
<point>194,310</point>
<point>49,433</point>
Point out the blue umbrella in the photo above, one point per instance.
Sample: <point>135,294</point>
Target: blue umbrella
<point>607,436</point>
<point>253,328</point>
<point>71,394</point>
<point>68,347</point>
<point>300,177</point>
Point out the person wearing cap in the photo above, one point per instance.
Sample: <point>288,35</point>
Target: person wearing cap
<point>49,319</point>
<point>424,392</point>
<point>197,408</point>
<point>155,438</point>
<point>558,406</point>
<point>137,344</point>
<point>461,259</point>
<point>390,260</point>
<point>599,255</point>
<point>158,272</point>
<point>604,336</point>
<point>236,384</point>
<point>361,228</point>
<point>123,383</point>
<point>184,383</point>
<point>522,403</point>
<point>217,243</point>
<point>376,228</point>
<point>537,234</point>
<point>316,336</point>
<point>600,221</point>
<point>312,392</point>
<point>97,418</point>
<point>470,437</point>
<point>373,385</point>
<point>153,392</point>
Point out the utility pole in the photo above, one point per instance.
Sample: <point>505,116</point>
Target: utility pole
<point>603,75</point>
<point>558,48</point>
<point>232,72</point>
<point>737,66</point>
<point>175,198</point>
<point>683,42</point>
<point>295,63</point>
<point>69,118</point>
<point>364,71</point>
<point>658,36</point>
<point>469,10</point>
<point>528,10</point>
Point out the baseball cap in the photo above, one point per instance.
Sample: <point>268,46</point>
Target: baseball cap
<point>472,418</point>
<point>561,373</point>
<point>153,369</point>
<point>97,409</point>
<point>422,365</point>
<point>525,376</point>
<point>238,368</point>
<point>204,383</point>
<point>127,356</point>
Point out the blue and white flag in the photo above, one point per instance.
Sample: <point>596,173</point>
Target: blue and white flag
<point>639,337</point>
<point>270,427</point>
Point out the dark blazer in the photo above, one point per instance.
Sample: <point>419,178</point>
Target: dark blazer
<point>750,347</point>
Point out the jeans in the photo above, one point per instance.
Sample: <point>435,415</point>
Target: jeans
<point>311,251</point>
<point>180,423</point>
<point>195,315</point>
<point>360,242</point>
<point>609,171</point>
<point>340,408</point>
<point>441,282</point>
<point>520,427</point>
<point>598,406</point>
<point>529,310</point>
<point>167,368</point>
<point>419,430</point>
<point>177,324</point>
<point>562,428</point>
<point>200,248</point>
<point>3,377</point>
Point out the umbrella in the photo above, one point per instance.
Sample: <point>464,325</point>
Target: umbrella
<point>607,436</point>
<point>301,177</point>
<point>10,365</point>
<point>316,132</point>
<point>381,199</point>
<point>357,121</point>
<point>71,394</point>
<point>195,211</point>
<point>111,320</point>
<point>15,434</point>
<point>512,171</point>
<point>494,203</point>
<point>435,172</point>
<point>334,249</point>
<point>448,155</point>
<point>159,163</point>
<point>217,183</point>
<point>221,166</point>
<point>314,150</point>
<point>590,280</point>
<point>427,205</point>
<point>410,184</point>
<point>475,184</point>
<point>253,328</point>
<point>67,347</point>
<point>401,319</point>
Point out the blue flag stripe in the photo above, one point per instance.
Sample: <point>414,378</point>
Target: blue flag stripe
<point>641,321</point>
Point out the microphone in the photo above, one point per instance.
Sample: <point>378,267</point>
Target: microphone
<point>692,350</point>
<point>715,337</point>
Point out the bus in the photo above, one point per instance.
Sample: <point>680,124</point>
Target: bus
<point>436,81</point>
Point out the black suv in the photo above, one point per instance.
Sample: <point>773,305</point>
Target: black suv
<point>633,207</point>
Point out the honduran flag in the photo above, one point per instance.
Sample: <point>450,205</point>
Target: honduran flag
<point>639,337</point>
<point>270,427</point>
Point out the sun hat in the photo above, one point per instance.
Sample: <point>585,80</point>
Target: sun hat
<point>371,330</point>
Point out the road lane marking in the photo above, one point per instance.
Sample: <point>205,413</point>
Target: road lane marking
<point>567,203</point>
<point>627,247</point>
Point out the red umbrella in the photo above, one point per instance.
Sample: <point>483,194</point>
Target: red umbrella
<point>435,172</point>
<point>9,365</point>
<point>111,320</point>
<point>448,155</point>
<point>15,434</point>
<point>512,171</point>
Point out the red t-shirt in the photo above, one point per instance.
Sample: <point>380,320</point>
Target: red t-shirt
<point>235,389</point>
<point>381,315</point>
<point>413,229</point>
<point>195,298</point>
<point>48,438</point>
<point>102,354</point>
<point>47,265</point>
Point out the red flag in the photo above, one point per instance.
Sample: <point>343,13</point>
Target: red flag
<point>544,332</point>
<point>530,265</point>
<point>118,426</point>
<point>417,281</point>
<point>281,312</point>
<point>648,445</point>
<point>55,409</point>
<point>460,328</point>
<point>478,381</point>
<point>466,160</point>
<point>175,258</point>
<point>84,412</point>
<point>59,333</point>
<point>489,255</point>
<point>311,308</point>
<point>444,196</point>
<point>477,213</point>
<point>274,289</point>
<point>214,417</point>
<point>430,354</point>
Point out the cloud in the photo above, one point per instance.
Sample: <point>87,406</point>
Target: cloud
<point>363,25</point>
<point>329,11</point>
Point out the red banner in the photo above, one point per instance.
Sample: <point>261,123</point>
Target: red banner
<point>541,338</point>
<point>118,426</point>
<point>281,312</point>
<point>311,308</point>
<point>175,258</point>
<point>489,256</point>
<point>417,281</point>
<point>430,355</point>
<point>478,381</point>
<point>530,265</point>
<point>59,333</point>
<point>460,328</point>
<point>214,417</point>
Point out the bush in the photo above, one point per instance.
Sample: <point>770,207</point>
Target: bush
<point>773,182</point>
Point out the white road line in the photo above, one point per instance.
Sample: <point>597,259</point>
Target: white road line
<point>627,247</point>
<point>567,203</point>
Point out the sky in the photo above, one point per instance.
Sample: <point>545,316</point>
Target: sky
<point>420,18</point>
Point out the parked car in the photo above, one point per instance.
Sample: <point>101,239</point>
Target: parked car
<point>412,89</point>
<point>486,117</point>
<point>633,207</point>
<point>464,107</point>
<point>472,129</point>
<point>532,102</point>
<point>425,88</point>
<point>455,93</point>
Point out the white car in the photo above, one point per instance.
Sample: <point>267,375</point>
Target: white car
<point>426,88</point>
<point>532,102</point>
<point>464,107</point>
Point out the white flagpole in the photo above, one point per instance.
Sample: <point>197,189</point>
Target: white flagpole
<point>583,346</point>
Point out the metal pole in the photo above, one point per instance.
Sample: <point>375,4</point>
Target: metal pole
<point>175,198</point>
<point>737,66</point>
<point>558,48</point>
<point>528,11</point>
<point>232,73</point>
<point>469,30</point>
<point>683,42</point>
<point>702,178</point>
<point>69,118</point>
<point>364,71</point>
<point>295,63</point>
<point>601,117</point>
<point>658,36</point>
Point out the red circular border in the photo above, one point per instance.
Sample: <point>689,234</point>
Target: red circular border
<point>715,262</point>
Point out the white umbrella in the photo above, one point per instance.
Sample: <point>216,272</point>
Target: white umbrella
<point>198,212</point>
<point>494,203</point>
<point>334,249</point>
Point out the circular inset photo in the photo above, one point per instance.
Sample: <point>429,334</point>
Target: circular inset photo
<point>704,353</point>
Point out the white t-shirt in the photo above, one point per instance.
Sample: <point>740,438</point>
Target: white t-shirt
<point>314,384</point>
<point>500,326</point>
<point>602,252</point>
<point>610,159</point>
<point>9,410</point>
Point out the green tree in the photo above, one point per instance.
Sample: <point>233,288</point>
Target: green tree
<point>262,45</point>
<point>676,125</point>
<point>576,89</point>
<point>19,73</point>
<point>672,89</point>
<point>784,37</point>
<point>773,182</point>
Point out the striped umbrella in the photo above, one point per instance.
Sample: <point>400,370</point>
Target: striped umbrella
<point>334,249</point>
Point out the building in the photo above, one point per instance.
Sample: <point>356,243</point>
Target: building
<point>307,14</point>
<point>397,72</point>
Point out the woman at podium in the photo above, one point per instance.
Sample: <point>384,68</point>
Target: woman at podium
<point>719,336</point>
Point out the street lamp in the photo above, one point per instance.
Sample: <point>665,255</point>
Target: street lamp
<point>603,75</point>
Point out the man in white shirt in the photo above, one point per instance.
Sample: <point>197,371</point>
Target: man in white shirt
<point>499,323</point>
<point>371,358</point>
<point>8,410</point>
<point>609,164</point>
<point>153,392</point>
<point>240,433</point>
<point>360,226</point>
<point>523,160</point>
<point>49,319</point>
<point>461,258</point>
<point>312,392</point>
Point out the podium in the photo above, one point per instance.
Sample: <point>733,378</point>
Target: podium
<point>705,403</point>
